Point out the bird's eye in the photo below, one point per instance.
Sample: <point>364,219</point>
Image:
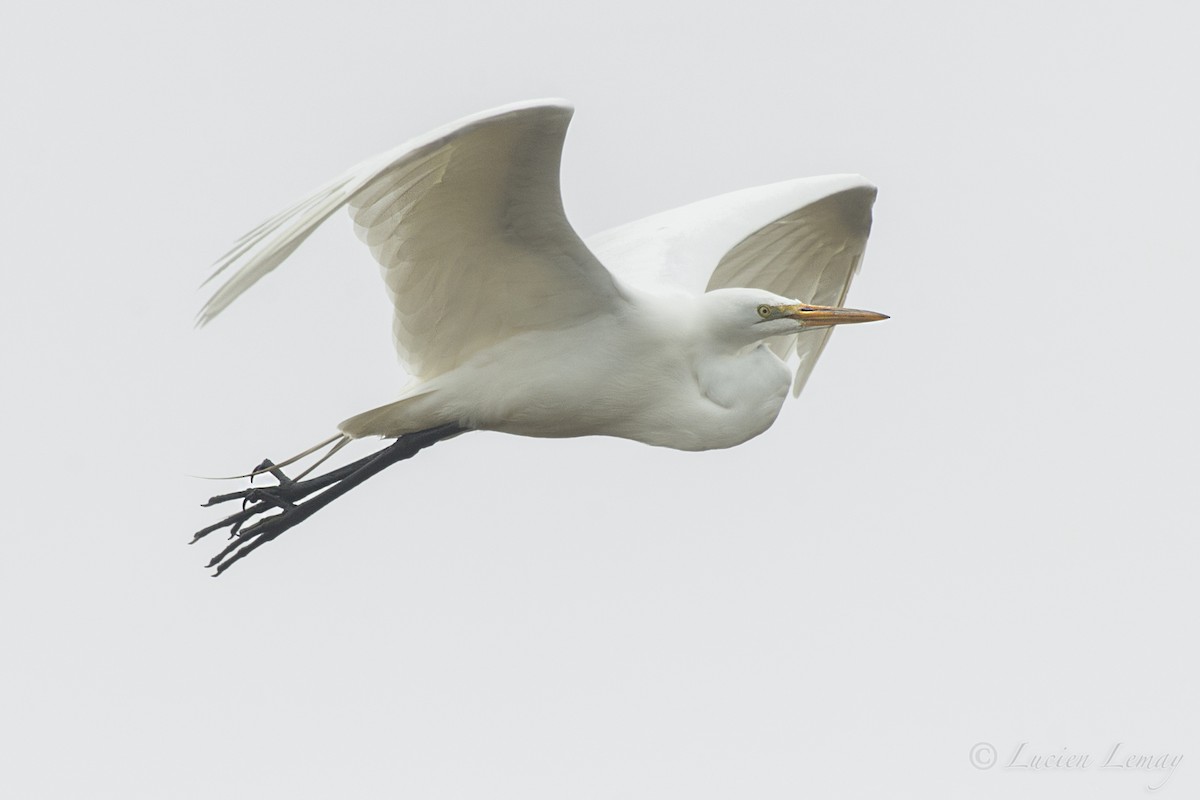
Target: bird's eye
<point>764,311</point>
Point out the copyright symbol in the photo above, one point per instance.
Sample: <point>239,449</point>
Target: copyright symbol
<point>983,756</point>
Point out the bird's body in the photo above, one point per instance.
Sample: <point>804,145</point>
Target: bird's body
<point>673,330</point>
<point>650,371</point>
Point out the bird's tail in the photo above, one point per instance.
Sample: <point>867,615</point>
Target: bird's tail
<point>411,413</point>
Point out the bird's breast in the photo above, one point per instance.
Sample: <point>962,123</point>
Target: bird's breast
<point>742,395</point>
<point>690,402</point>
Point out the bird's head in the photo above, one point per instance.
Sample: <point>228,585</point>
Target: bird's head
<point>746,316</point>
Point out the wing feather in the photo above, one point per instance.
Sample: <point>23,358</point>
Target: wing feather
<point>468,227</point>
<point>801,239</point>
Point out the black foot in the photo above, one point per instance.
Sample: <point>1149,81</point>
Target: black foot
<point>288,496</point>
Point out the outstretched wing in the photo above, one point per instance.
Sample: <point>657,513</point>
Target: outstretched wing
<point>468,226</point>
<point>803,239</point>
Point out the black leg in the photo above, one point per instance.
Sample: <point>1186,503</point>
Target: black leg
<point>288,496</point>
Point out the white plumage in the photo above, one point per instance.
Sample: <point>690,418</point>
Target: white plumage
<point>508,321</point>
<point>670,331</point>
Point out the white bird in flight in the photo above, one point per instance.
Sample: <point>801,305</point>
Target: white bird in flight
<point>673,330</point>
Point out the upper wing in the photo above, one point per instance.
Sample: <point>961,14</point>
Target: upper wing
<point>468,226</point>
<point>802,239</point>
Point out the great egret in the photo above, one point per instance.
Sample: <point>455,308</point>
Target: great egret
<point>672,330</point>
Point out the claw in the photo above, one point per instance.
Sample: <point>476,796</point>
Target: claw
<point>294,499</point>
<point>222,498</point>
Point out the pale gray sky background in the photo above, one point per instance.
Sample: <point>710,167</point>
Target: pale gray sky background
<point>978,525</point>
